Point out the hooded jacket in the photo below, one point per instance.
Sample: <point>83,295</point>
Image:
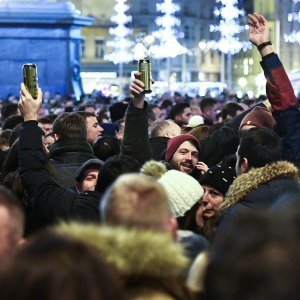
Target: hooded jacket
<point>258,189</point>
<point>149,264</point>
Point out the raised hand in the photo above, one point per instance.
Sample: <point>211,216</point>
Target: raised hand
<point>137,91</point>
<point>28,106</point>
<point>258,29</point>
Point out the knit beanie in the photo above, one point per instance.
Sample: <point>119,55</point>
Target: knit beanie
<point>182,189</point>
<point>259,117</point>
<point>219,177</point>
<point>175,142</point>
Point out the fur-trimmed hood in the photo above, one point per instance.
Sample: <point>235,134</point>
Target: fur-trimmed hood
<point>250,181</point>
<point>132,252</point>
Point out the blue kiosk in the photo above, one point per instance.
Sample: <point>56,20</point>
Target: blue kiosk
<point>47,34</point>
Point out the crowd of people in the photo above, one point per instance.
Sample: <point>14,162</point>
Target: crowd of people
<point>180,198</point>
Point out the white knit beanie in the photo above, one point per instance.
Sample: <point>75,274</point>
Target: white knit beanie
<point>183,191</point>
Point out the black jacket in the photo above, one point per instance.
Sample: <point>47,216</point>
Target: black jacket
<point>66,156</point>
<point>257,190</point>
<point>51,202</point>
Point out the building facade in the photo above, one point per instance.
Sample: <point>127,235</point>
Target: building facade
<point>196,16</point>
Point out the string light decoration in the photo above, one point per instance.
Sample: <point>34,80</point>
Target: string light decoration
<point>294,36</point>
<point>167,34</point>
<point>229,28</point>
<point>121,43</point>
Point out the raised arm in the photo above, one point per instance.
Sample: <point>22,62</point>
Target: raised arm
<point>50,201</point>
<point>279,89</point>
<point>136,141</point>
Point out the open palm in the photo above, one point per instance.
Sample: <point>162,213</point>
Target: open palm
<point>258,32</point>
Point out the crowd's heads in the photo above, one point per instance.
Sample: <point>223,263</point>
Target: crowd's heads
<point>136,200</point>
<point>46,124</point>
<point>113,167</point>
<point>87,175</point>
<point>183,190</point>
<point>258,117</point>
<point>209,110</point>
<point>52,267</point>
<point>94,130</point>
<point>182,152</point>
<point>70,125</point>
<point>166,128</point>
<point>195,121</point>
<point>106,147</point>
<point>258,147</point>
<point>174,143</point>
<point>230,110</point>
<point>117,111</point>
<point>219,177</point>
<point>12,222</point>
<point>181,113</point>
<point>10,109</point>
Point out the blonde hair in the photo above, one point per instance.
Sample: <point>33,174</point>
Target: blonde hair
<point>136,200</point>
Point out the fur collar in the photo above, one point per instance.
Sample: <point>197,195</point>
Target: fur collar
<point>249,181</point>
<point>132,252</point>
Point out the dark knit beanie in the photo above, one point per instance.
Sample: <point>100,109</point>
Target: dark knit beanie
<point>175,142</point>
<point>219,177</point>
<point>259,117</point>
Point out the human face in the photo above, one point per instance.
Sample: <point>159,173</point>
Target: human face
<point>210,113</point>
<point>211,201</point>
<point>185,116</point>
<point>47,127</point>
<point>172,130</point>
<point>158,114</point>
<point>185,158</point>
<point>89,180</point>
<point>94,130</point>
<point>48,141</point>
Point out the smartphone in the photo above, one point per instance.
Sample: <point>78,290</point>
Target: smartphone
<point>31,79</point>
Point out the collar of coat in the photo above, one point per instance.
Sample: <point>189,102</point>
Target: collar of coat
<point>132,252</point>
<point>70,145</point>
<point>249,181</point>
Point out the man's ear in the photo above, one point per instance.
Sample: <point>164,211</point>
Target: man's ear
<point>172,227</point>
<point>78,187</point>
<point>178,118</point>
<point>56,137</point>
<point>244,165</point>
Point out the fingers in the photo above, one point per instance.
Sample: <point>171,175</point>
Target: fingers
<point>137,75</point>
<point>137,86</point>
<point>256,20</point>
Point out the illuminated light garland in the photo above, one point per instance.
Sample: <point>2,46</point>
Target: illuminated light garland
<point>121,44</point>
<point>294,36</point>
<point>167,33</point>
<point>229,28</point>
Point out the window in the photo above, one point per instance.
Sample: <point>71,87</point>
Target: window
<point>99,48</point>
<point>82,48</point>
